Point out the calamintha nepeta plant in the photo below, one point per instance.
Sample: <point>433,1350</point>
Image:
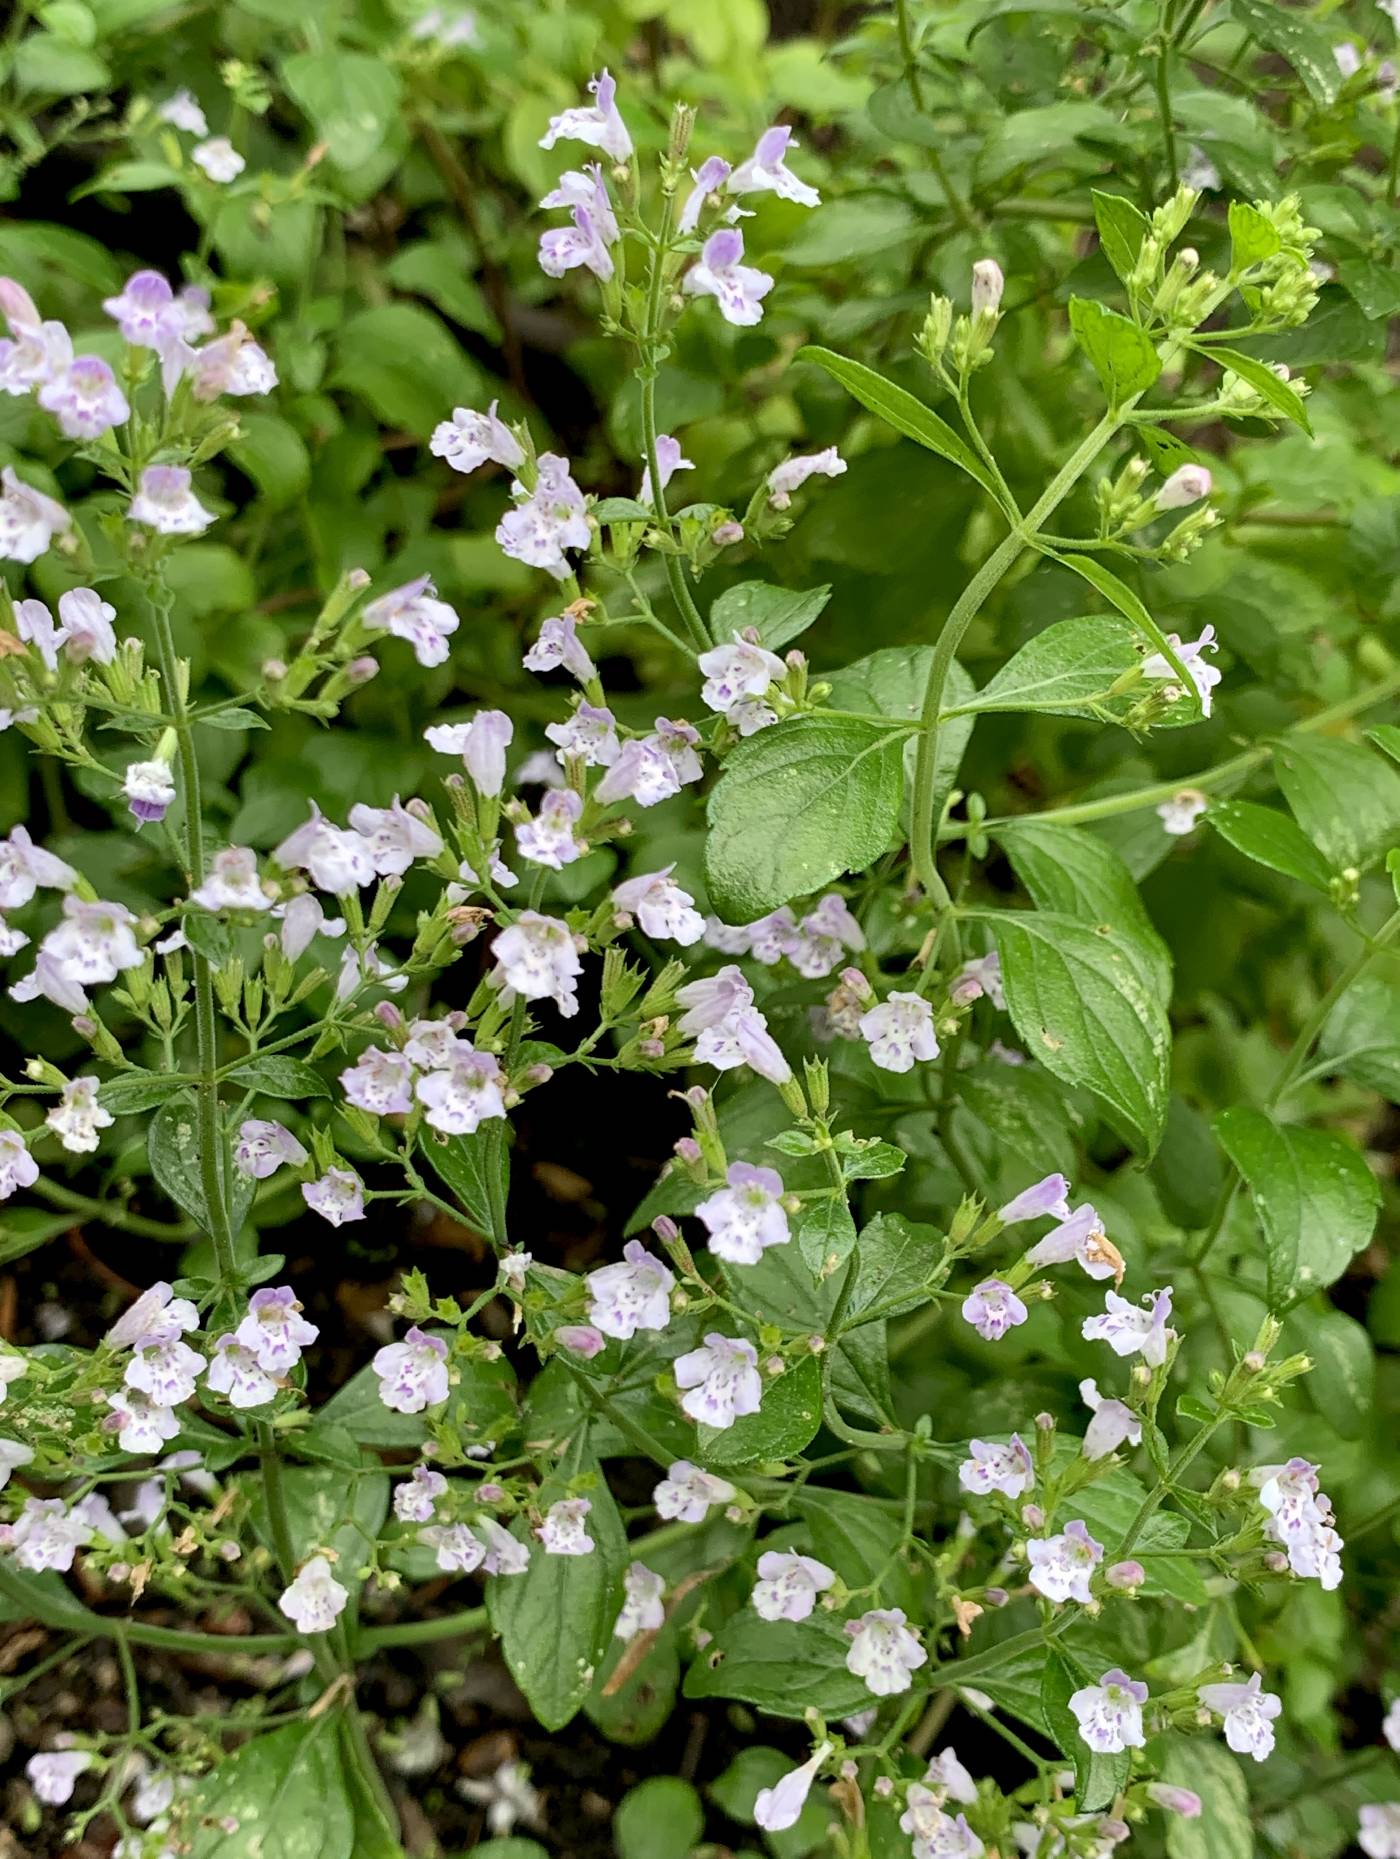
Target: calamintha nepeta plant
<point>1077,1582</point>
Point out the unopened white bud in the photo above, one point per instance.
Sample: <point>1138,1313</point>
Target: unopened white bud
<point>1187,485</point>
<point>988,283</point>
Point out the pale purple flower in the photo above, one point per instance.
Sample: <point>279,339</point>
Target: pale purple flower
<point>235,1371</point>
<point>469,439</point>
<point>1180,814</point>
<point>669,460</point>
<point>1047,1196</point>
<point>1174,1800</point>
<point>263,1147</point>
<point>590,733</point>
<point>395,836</point>
<point>481,742</point>
<point>157,1312</point>
<point>549,838</point>
<point>598,124</point>
<point>12,1455</point>
<point>883,1651</point>
<point>686,1493</point>
<point>414,612</point>
<point>788,1585</point>
<point>632,1295</point>
<point>766,170</point>
<point>149,788</point>
<point>564,1531</point>
<point>84,398</point>
<point>505,1554</point>
<point>1127,1576</point>
<point>990,1467</point>
<point>338,1196</point>
<point>899,1032</point>
<point>1110,1713</point>
<point>732,672</point>
<point>1080,1237</point>
<point>141,1424</point>
<point>77,1117</point>
<point>315,1600</point>
<point>53,1775</point>
<point>275,1330</point>
<point>87,626</point>
<point>165,501</point>
<point>547,520</point>
<point>380,1082</point>
<point>1390,1725</point>
<point>29,521</point>
<point>934,1834</point>
<point>164,1368</point>
<point>779,1807</point>
<point>979,975</point>
<point>1188,484</point>
<point>581,1339</point>
<point>719,272</point>
<point>417,1497</point>
<point>643,1609</point>
<point>581,245</point>
<point>236,364</point>
<point>1133,1329</point>
<point>47,1535</point>
<point>1113,1423</point>
<point>708,179</point>
<point>219,159</point>
<point>746,1217</point>
<point>458,1550</point>
<point>25,868</point>
<point>459,1099</point>
<point>35,625</point>
<point>182,111</point>
<point>34,349</point>
<point>1248,1712</point>
<point>817,944</point>
<point>652,768</point>
<point>233,884</point>
<point>537,959</point>
<point>558,644</point>
<point>1061,1567</point>
<point>947,1772</point>
<point>146,312</point>
<point>664,911</point>
<point>18,1169</point>
<point>720,1380</point>
<point>412,1374</point>
<point>993,1308</point>
<point>94,942</point>
<point>336,860</point>
<point>794,472</point>
<point>1378,1829</point>
<point>1204,675</point>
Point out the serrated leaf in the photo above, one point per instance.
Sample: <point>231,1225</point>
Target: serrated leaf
<point>463,1162</point>
<point>1313,1194</point>
<point>131,1091</point>
<point>236,716</point>
<point>1346,799</point>
<point>781,614</point>
<point>1122,229</point>
<point>786,1422</point>
<point>208,936</point>
<point>1123,354</point>
<point>826,1234</point>
<point>781,1666</point>
<point>1258,375</point>
<point>796,806</point>
<point>1271,838</point>
<point>1080,999</point>
<point>1253,236</point>
<point>1067,869</point>
<point>1289,32</point>
<point>173,1145</point>
<point>1060,669</point>
<point>1225,1827</point>
<point>283,1795</point>
<point>277,1076</point>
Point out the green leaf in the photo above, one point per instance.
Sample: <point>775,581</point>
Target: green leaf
<point>1314,1195</point>
<point>826,1233</point>
<point>897,1259</point>
<point>1097,1778</point>
<point>1289,32</point>
<point>781,614</point>
<point>796,806</point>
<point>129,177</point>
<point>872,1161</point>
<point>1124,356</point>
<point>1089,568</point>
<point>400,359</point>
<point>1386,737</point>
<point>1065,868</point>
<point>1258,375</point>
<point>1342,1382</point>
<point>1346,799</point>
<point>1122,229</point>
<point>556,1619</point>
<point>357,1410</point>
<point>785,1423</point>
<point>174,1149</point>
<point>1225,1829</point>
<point>898,408</point>
<point>276,1076</point>
<point>1271,838</point>
<point>1062,668</point>
<point>351,99</point>
<point>891,683</point>
<point>623,510</point>
<point>233,716</point>
<point>661,1818</point>
<point>283,1795</point>
<point>1081,1000</point>
<point>781,1666</point>
<point>274,455</point>
<point>1362,1035</point>
<point>44,65</point>
<point>131,1091</point>
<point>1253,236</point>
<point>855,1535</point>
<point>208,936</point>
<point>463,1163</point>
<point>327,1510</point>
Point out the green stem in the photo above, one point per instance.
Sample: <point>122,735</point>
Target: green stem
<point>1164,101</point>
<point>57,1195</point>
<point>421,1632</point>
<point>1167,1482</point>
<point>70,1616</point>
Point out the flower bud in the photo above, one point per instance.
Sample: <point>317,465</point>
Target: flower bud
<point>988,283</point>
<point>361,670</point>
<point>1188,484</point>
<point>357,580</point>
<point>665,1229</point>
<point>725,535</point>
<point>580,1339</point>
<point>1125,1575</point>
<point>1174,1800</point>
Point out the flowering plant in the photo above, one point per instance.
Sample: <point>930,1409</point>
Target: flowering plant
<point>928,1392</point>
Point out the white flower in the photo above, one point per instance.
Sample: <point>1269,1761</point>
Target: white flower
<point>24,867</point>
<point>1113,1424</point>
<point>746,1217</point>
<point>416,1498</point>
<point>48,1535</point>
<point>990,1467</point>
<point>1180,814</point>
<point>883,1651</point>
<point>164,1368</point>
<point>1188,484</point>
<point>315,1600</point>
<point>650,769</point>
<point>156,1313</point>
<point>686,1493</point>
<point>507,1797</point>
<point>275,1330</point>
<point>598,124</point>
<point>633,1295</point>
<point>395,836</point>
<point>52,1776</point>
<point>737,288</point>
<point>642,1610</point>
<point>948,1773</point>
<point>1132,1329</point>
<point>460,1099</point>
<point>934,1834</point>
<point>766,170</point>
<point>12,1368</point>
<point>143,1425</point>
<point>183,112</point>
<point>1080,1237</point>
<point>1061,1567</point>
<point>469,439</point>
<point>505,1554</point>
<point>899,1031</point>
<point>18,1169</point>
<point>458,1551</point>
<point>558,644</point>
<point>234,1370</point>
<point>232,884</point>
<point>537,959</point>
<point>549,838</point>
<point>988,285</point>
<point>564,1531</point>
<point>1110,1713</point>
<point>29,521</point>
<point>590,733</point>
<point>547,520</point>
<point>414,612</point>
<point>708,178</point>
<point>1248,1712</point>
<point>779,1807</point>
<point>1390,1725</point>
<point>165,501</point>
<point>1378,1829</point>
<point>380,1082</point>
<point>720,1380</point>
<point>665,911</point>
<point>263,1147</point>
<point>730,1030</point>
<point>1204,675</point>
<point>993,1308</point>
<point>481,743</point>
<point>794,472</point>
<point>336,860</point>
<point>736,671</point>
<point>13,1454</point>
<point>84,397</point>
<point>412,1374</point>
<point>219,159</point>
<point>87,626</point>
<point>788,1585</point>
